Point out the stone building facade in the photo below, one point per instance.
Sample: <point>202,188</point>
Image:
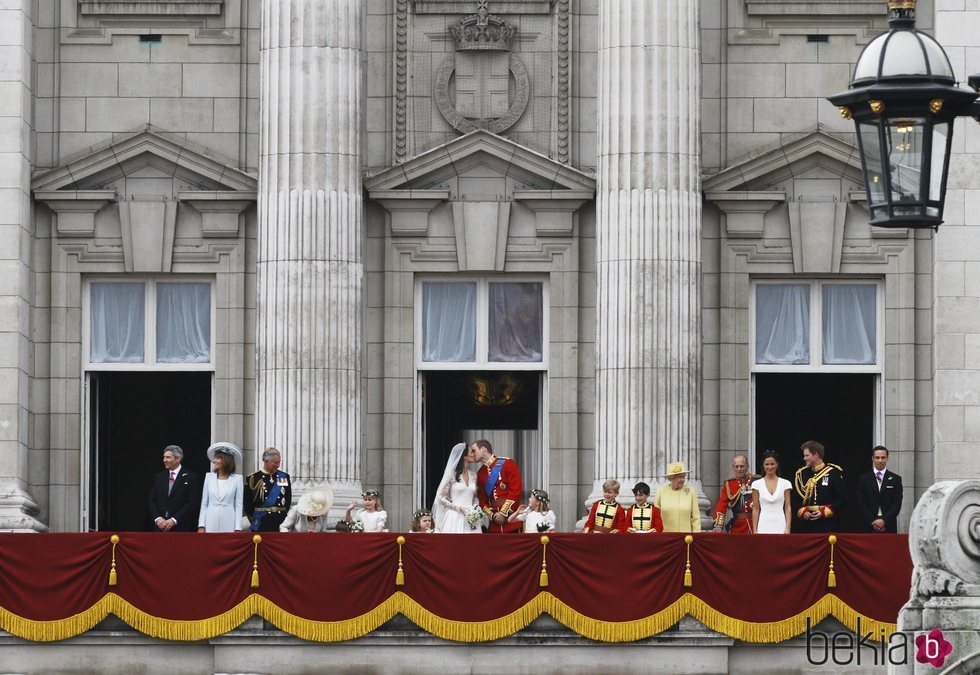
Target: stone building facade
<point>359,230</point>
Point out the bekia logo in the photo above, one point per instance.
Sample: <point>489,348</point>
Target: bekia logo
<point>933,648</point>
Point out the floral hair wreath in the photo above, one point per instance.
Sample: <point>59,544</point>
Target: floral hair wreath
<point>370,493</point>
<point>421,513</point>
<point>541,496</point>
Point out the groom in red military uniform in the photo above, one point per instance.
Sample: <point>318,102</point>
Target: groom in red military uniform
<point>498,487</point>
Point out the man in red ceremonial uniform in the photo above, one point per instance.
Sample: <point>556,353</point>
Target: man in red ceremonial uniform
<point>736,496</point>
<point>498,487</point>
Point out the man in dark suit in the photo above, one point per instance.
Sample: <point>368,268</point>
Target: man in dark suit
<point>879,495</point>
<point>175,497</point>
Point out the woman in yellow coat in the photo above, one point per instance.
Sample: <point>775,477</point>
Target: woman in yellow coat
<point>678,503</point>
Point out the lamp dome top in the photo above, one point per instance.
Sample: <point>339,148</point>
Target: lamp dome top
<point>903,53</point>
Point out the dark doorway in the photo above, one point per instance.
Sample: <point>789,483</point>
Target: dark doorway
<point>134,416</point>
<point>835,409</point>
<point>454,401</point>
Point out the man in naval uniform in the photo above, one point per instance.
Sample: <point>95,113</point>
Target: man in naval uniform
<point>820,490</point>
<point>268,494</point>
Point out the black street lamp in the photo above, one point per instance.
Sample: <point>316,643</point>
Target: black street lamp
<point>903,100</point>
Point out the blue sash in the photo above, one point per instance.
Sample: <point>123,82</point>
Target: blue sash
<point>492,479</point>
<point>270,501</point>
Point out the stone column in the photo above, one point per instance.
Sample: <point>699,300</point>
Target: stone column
<point>648,248</point>
<point>18,512</point>
<point>309,299</point>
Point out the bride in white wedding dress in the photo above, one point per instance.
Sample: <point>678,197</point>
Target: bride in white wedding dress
<point>456,495</point>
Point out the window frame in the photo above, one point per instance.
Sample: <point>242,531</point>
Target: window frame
<point>816,364</point>
<point>482,361</point>
<point>150,362</point>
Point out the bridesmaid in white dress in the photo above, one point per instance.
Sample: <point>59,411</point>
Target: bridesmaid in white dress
<point>221,500</point>
<point>456,495</point>
<point>373,516</point>
<point>771,511</point>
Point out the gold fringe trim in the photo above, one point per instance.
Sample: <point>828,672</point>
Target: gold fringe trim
<point>458,631</point>
<point>470,631</point>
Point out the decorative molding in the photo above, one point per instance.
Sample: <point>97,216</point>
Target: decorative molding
<point>220,210</point>
<point>179,155</point>
<point>440,93</point>
<point>481,235</point>
<point>744,213</point>
<point>148,234</point>
<point>835,8</point>
<point>466,6</point>
<point>74,210</point>
<point>797,153</point>
<point>409,209</point>
<point>152,7</point>
<point>482,31</point>
<point>401,80</point>
<point>554,210</point>
<point>564,82</point>
<point>479,146</point>
<point>817,248</point>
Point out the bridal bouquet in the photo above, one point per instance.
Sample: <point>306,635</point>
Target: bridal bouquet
<point>473,518</point>
<point>356,526</point>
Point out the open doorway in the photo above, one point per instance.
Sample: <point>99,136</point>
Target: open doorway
<point>836,409</point>
<point>133,417</point>
<point>502,406</point>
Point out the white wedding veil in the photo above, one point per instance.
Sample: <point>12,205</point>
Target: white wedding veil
<point>448,476</point>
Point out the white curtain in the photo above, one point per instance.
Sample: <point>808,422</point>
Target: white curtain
<point>515,328</point>
<point>116,317</point>
<point>849,324</point>
<point>183,323</point>
<point>448,322</point>
<point>782,324</point>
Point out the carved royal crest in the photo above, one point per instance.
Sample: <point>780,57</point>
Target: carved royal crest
<point>483,31</point>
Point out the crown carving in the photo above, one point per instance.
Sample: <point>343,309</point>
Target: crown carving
<point>483,31</point>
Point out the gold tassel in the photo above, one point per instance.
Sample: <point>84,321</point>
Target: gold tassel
<point>400,574</point>
<point>113,579</point>
<point>831,575</point>
<point>257,539</point>
<point>688,577</point>
<point>543,581</point>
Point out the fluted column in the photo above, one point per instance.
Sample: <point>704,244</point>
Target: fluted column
<point>648,258</point>
<point>309,299</point>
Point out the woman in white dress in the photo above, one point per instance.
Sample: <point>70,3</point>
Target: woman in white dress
<point>456,495</point>
<point>221,500</point>
<point>771,511</point>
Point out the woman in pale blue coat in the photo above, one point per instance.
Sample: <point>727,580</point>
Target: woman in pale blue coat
<point>221,500</point>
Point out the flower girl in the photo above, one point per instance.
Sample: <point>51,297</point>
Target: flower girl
<point>371,517</point>
<point>537,515</point>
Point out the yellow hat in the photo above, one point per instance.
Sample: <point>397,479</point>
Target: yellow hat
<point>676,469</point>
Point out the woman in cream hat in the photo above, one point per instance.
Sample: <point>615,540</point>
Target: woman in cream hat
<point>310,514</point>
<point>678,503</point>
<point>221,498</point>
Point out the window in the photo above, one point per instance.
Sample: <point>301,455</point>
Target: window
<point>148,323</point>
<point>816,325</point>
<point>465,323</point>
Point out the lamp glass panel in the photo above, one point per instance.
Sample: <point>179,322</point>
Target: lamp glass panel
<point>867,65</point>
<point>871,146</point>
<point>905,136</point>
<point>940,142</point>
<point>903,56</point>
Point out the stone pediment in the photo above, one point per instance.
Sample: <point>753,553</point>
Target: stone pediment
<point>481,163</point>
<point>483,175</point>
<point>815,153</point>
<point>142,179</point>
<point>144,154</point>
